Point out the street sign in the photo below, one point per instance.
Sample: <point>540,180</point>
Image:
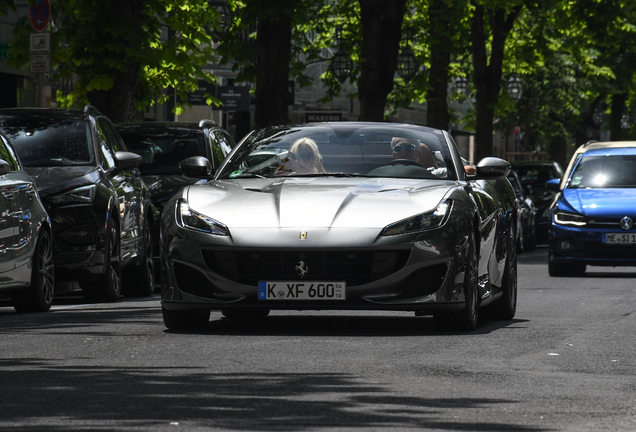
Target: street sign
<point>233,98</point>
<point>39,63</point>
<point>40,42</point>
<point>39,14</point>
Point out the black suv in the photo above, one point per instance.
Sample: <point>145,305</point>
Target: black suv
<point>163,145</point>
<point>100,208</point>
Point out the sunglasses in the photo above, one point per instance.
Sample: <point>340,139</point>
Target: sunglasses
<point>406,147</point>
<point>305,156</point>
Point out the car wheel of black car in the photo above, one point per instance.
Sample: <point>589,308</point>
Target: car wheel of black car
<point>139,280</point>
<point>530,241</point>
<point>245,313</point>
<point>185,320</point>
<point>107,287</point>
<point>565,269</point>
<point>506,307</point>
<point>521,241</point>
<point>39,296</point>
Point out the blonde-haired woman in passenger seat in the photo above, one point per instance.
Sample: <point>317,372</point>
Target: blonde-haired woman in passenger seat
<point>303,157</point>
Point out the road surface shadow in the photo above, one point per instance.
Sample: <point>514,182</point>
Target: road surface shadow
<point>49,395</point>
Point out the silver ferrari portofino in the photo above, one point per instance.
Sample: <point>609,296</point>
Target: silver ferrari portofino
<point>347,215</point>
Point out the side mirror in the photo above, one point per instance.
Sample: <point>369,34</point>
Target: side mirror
<point>492,167</point>
<point>126,161</point>
<point>197,167</point>
<point>553,185</point>
<point>5,168</point>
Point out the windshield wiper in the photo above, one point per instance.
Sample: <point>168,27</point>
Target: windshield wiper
<point>330,174</point>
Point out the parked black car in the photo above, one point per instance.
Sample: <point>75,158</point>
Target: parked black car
<point>26,248</point>
<point>163,145</point>
<point>100,208</point>
<point>527,239</point>
<point>535,175</point>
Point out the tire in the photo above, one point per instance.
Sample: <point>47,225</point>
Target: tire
<point>107,287</point>
<point>139,280</point>
<point>521,240</point>
<point>467,318</point>
<point>245,313</point>
<point>531,241</point>
<point>556,269</point>
<point>38,297</point>
<point>505,307</point>
<point>185,320</point>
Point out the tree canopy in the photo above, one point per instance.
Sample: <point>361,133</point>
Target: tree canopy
<point>575,59</point>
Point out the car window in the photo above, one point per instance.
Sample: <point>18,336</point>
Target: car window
<point>108,157</point>
<point>47,141</point>
<point>515,184</point>
<point>161,149</point>
<point>363,150</point>
<point>6,153</point>
<point>111,135</point>
<point>607,171</point>
<point>221,145</point>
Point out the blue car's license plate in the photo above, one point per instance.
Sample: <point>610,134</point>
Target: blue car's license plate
<point>295,290</point>
<point>619,238</point>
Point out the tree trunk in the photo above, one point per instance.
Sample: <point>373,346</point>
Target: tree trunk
<point>436,96</point>
<point>273,50</point>
<point>118,103</point>
<point>381,28</point>
<point>488,74</point>
<point>616,116</point>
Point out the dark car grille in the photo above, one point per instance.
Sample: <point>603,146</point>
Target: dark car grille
<point>606,223</point>
<point>356,267</point>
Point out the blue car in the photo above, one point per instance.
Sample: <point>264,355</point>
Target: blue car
<point>592,218</point>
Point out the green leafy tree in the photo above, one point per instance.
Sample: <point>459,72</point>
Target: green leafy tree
<point>118,56</point>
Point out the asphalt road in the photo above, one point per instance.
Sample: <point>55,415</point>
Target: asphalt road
<point>565,363</point>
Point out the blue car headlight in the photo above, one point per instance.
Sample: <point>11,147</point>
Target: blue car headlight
<point>80,195</point>
<point>188,218</point>
<point>569,219</point>
<point>421,222</point>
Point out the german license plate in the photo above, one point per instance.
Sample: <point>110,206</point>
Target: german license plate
<point>619,238</point>
<point>302,290</point>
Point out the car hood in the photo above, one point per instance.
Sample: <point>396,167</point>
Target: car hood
<point>601,202</point>
<point>316,202</point>
<point>52,180</point>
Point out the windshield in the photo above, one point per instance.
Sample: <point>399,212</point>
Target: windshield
<point>348,150</point>
<point>42,142</point>
<point>537,175</point>
<point>604,172</point>
<point>161,152</point>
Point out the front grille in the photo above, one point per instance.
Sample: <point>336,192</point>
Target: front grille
<point>356,267</point>
<point>605,223</point>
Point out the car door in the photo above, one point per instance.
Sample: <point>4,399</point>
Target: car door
<point>128,186</point>
<point>16,227</point>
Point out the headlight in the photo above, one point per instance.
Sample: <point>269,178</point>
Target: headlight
<point>188,218</point>
<point>421,222</point>
<point>81,195</point>
<point>562,218</point>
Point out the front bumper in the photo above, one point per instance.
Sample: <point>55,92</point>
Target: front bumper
<point>586,246</point>
<point>201,271</point>
<point>79,238</point>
